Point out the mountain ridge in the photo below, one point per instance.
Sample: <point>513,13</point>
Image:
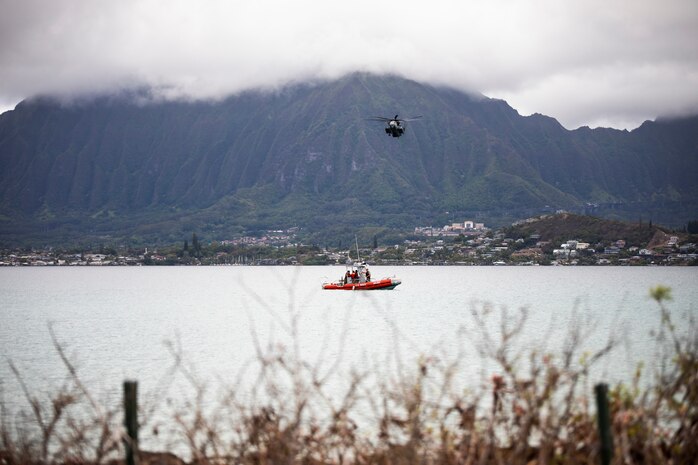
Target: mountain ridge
<point>306,156</point>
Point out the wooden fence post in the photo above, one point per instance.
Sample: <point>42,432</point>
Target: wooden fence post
<point>604,421</point>
<point>131,421</point>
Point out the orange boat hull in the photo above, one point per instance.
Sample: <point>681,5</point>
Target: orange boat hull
<point>385,283</point>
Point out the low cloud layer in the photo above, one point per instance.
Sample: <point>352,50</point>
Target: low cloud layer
<point>595,63</point>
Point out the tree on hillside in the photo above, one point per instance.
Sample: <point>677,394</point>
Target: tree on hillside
<point>195,245</point>
<point>692,227</point>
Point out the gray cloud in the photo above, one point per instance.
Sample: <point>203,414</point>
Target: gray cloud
<point>595,63</point>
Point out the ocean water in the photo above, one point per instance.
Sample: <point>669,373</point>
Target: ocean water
<point>118,323</point>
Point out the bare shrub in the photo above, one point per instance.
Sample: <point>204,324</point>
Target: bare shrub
<point>532,407</point>
<point>66,426</point>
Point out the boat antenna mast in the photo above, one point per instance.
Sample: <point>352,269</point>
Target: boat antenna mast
<point>358,257</point>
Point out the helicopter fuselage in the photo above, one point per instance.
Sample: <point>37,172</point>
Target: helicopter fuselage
<point>394,128</point>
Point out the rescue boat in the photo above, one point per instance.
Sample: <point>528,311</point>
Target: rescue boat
<point>358,278</point>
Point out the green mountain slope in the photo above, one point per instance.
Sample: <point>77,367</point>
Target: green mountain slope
<point>306,156</point>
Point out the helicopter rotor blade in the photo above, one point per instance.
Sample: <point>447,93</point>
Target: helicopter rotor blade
<point>412,118</point>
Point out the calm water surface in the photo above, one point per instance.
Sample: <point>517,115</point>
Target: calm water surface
<point>114,322</point>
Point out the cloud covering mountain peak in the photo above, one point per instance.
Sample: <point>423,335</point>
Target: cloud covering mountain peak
<point>586,63</point>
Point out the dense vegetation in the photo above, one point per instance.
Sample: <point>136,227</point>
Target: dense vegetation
<point>560,228</point>
<point>536,408</point>
<point>306,156</point>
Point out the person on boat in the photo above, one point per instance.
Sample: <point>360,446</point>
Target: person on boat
<point>347,277</point>
<point>368,274</point>
<point>354,276</point>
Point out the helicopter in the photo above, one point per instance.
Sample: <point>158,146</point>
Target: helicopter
<point>395,126</point>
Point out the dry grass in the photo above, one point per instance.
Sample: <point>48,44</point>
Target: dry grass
<point>536,409</point>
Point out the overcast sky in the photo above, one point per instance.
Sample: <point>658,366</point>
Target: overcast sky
<point>585,62</point>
